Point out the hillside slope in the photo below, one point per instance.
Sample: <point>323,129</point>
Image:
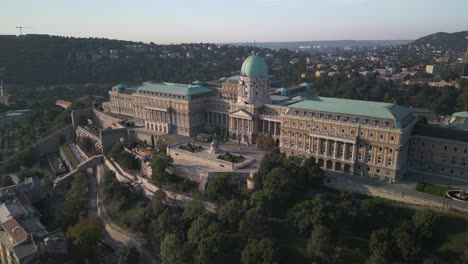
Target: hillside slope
<point>457,41</point>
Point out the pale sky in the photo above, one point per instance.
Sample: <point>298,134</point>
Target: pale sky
<point>176,21</point>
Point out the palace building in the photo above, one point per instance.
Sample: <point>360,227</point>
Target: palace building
<point>351,136</point>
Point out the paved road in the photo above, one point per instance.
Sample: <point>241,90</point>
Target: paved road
<point>115,235</point>
<point>405,188</point>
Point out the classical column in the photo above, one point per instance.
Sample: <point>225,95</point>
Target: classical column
<point>335,149</point>
<point>327,147</point>
<point>319,146</point>
<point>384,157</point>
<point>354,152</point>
<point>345,150</point>
<point>274,128</point>
<point>269,127</point>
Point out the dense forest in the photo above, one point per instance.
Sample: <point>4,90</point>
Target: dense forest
<point>289,218</point>
<point>45,60</point>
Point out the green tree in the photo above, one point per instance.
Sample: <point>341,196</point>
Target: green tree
<point>409,243</point>
<point>194,209</point>
<point>269,161</point>
<point>27,157</point>
<point>307,214</point>
<point>322,245</point>
<point>159,201</point>
<point>230,212</point>
<point>220,188</point>
<point>424,220</point>
<point>263,251</point>
<point>254,224</point>
<point>74,204</point>
<point>380,247</point>
<point>171,250</point>
<point>209,240</point>
<point>266,202</point>
<point>159,164</point>
<point>86,235</point>
<point>128,255</point>
<point>30,173</point>
<point>279,182</point>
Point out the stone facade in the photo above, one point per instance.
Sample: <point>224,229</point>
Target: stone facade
<point>439,150</point>
<point>365,138</point>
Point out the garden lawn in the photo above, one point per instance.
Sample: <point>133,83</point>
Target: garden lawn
<point>431,189</point>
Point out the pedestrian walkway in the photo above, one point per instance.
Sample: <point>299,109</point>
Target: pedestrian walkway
<point>403,191</point>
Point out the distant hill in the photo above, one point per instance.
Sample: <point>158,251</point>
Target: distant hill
<point>293,45</point>
<point>457,41</point>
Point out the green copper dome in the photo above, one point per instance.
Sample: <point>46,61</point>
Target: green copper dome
<point>254,66</point>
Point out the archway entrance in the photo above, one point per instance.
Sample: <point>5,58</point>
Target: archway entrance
<point>314,161</point>
<point>321,162</point>
<point>338,166</point>
<point>329,164</point>
<point>347,168</point>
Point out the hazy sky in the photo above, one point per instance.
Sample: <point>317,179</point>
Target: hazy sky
<point>175,21</point>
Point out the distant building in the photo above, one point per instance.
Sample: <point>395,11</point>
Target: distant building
<point>373,139</point>
<point>14,118</point>
<point>437,69</point>
<point>459,120</point>
<point>460,68</point>
<point>441,83</point>
<point>23,239</point>
<point>63,103</point>
<point>439,150</point>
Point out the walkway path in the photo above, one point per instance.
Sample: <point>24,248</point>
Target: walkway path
<point>115,235</point>
<point>403,191</point>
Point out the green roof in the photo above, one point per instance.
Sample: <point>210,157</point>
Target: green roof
<point>174,88</point>
<point>354,107</point>
<point>254,66</point>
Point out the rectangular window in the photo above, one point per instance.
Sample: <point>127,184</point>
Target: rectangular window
<point>369,157</point>
<point>379,159</point>
<point>389,161</point>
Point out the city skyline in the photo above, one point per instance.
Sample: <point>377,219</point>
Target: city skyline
<point>220,22</point>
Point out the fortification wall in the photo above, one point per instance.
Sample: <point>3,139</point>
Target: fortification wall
<point>103,120</point>
<point>53,142</point>
<point>76,114</point>
<point>110,137</point>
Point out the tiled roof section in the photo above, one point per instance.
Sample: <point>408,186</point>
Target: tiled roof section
<point>441,133</point>
<point>355,107</point>
<point>174,88</point>
<point>16,233</point>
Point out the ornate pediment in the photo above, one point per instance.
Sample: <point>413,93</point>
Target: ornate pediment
<point>241,114</point>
